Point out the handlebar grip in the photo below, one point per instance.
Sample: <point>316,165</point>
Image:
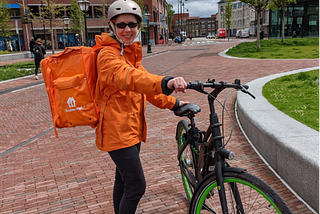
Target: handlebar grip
<point>196,85</point>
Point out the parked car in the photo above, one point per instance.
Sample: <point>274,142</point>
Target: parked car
<point>210,36</point>
<point>244,33</point>
<point>222,33</point>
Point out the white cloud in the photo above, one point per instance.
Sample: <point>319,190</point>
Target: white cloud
<point>201,8</point>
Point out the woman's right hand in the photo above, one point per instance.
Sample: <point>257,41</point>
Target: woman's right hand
<point>177,84</point>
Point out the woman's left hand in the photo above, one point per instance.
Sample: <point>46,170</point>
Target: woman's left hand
<point>182,103</point>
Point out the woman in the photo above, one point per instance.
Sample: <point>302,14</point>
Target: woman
<point>123,87</point>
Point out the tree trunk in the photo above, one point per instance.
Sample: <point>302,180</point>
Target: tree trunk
<point>52,39</point>
<point>258,29</point>
<point>282,25</point>
<point>228,34</point>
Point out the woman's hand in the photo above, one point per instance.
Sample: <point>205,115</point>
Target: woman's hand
<point>177,84</point>
<point>182,103</point>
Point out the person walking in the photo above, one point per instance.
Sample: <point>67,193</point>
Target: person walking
<point>77,40</point>
<point>39,52</point>
<point>127,85</point>
<point>31,44</point>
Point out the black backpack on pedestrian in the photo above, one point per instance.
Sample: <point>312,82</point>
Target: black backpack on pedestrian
<point>37,51</point>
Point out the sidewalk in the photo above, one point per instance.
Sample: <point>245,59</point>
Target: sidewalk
<point>43,174</point>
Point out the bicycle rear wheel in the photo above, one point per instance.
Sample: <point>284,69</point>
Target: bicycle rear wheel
<point>256,196</point>
<point>169,42</point>
<point>186,161</point>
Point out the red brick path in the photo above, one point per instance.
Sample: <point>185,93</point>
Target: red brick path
<point>43,174</point>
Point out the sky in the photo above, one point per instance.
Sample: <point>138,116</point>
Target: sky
<point>201,8</point>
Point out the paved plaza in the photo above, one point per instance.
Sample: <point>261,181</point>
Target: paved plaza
<point>40,173</point>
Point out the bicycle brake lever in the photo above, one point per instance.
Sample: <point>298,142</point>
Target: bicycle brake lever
<point>244,90</point>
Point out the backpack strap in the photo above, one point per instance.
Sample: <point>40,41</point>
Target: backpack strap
<point>108,91</point>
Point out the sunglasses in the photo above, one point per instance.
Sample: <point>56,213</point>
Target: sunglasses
<point>123,25</point>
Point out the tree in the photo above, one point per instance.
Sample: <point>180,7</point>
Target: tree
<point>170,12</point>
<point>76,16</point>
<point>141,5</point>
<point>50,10</point>
<point>258,6</point>
<point>275,4</point>
<point>5,27</point>
<point>227,15</point>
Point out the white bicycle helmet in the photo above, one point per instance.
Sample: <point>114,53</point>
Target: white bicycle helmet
<point>122,7</point>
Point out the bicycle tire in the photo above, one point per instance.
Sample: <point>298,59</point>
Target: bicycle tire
<point>256,195</point>
<point>186,158</point>
<point>169,42</point>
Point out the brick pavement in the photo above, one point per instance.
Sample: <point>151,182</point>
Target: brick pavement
<point>42,174</point>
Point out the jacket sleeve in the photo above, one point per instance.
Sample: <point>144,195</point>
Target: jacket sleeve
<point>162,101</point>
<point>113,70</point>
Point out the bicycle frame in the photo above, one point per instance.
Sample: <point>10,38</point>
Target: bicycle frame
<point>211,143</point>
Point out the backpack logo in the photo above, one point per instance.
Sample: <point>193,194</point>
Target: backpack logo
<point>71,102</point>
<point>72,105</point>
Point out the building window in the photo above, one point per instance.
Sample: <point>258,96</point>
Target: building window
<point>34,10</point>
<point>15,13</point>
<point>59,15</point>
<point>89,13</point>
<point>98,14</point>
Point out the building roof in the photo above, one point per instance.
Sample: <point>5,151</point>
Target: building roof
<point>195,17</point>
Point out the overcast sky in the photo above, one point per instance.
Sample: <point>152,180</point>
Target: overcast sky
<point>201,8</point>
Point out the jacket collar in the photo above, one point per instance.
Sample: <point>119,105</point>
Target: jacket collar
<point>105,40</point>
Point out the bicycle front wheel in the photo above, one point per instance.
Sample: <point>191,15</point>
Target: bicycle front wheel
<point>169,42</point>
<point>186,161</point>
<point>254,196</point>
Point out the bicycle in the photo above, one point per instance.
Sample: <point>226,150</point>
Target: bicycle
<point>210,183</point>
<point>161,42</point>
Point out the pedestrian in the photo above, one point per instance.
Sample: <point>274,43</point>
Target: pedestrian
<point>122,122</point>
<point>18,45</point>
<point>294,34</point>
<point>31,44</point>
<point>190,37</point>
<point>77,40</point>
<point>39,52</point>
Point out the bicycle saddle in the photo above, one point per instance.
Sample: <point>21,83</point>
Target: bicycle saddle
<point>185,110</point>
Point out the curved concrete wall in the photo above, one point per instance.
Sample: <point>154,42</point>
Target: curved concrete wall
<point>290,147</point>
<point>13,56</point>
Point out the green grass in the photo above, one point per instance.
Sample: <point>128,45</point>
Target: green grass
<point>5,52</point>
<point>292,48</point>
<point>296,95</point>
<point>16,70</point>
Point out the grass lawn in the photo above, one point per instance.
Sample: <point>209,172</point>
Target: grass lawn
<point>296,95</point>
<point>292,48</point>
<point>19,69</point>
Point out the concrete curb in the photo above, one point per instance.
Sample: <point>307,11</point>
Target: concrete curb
<point>14,56</point>
<point>290,147</point>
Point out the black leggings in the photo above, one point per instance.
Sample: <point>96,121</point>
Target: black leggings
<point>37,62</point>
<point>130,184</point>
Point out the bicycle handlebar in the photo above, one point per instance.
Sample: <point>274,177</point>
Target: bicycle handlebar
<point>199,86</point>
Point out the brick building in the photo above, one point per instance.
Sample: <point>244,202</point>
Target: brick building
<point>96,22</point>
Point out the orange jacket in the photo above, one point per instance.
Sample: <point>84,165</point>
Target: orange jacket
<point>123,124</point>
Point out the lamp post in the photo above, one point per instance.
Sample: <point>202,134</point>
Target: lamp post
<point>147,15</point>
<point>44,26</point>
<point>84,7</point>
<point>66,22</point>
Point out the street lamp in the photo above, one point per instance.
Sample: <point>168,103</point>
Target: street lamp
<point>66,22</point>
<point>84,7</point>
<point>147,16</point>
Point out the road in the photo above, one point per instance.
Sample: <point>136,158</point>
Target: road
<point>43,174</point>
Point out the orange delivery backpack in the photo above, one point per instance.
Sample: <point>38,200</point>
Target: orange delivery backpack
<point>70,78</point>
